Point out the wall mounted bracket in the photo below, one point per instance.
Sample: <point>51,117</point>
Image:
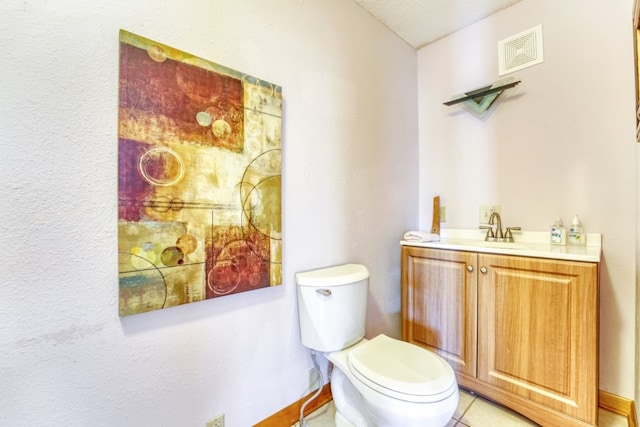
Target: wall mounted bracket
<point>479,100</point>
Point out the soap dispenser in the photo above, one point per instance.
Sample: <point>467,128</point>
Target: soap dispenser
<point>576,233</point>
<point>558,233</point>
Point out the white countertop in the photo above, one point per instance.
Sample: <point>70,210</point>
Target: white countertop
<point>527,243</point>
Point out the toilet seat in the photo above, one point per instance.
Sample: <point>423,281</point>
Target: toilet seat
<point>402,370</point>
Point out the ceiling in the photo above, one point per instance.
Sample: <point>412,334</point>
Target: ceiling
<point>420,22</point>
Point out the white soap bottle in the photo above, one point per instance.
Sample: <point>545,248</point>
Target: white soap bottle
<point>576,233</point>
<point>558,233</point>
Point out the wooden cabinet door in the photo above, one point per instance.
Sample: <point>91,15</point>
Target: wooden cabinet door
<point>538,331</point>
<point>439,304</point>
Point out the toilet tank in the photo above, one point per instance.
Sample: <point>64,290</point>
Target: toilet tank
<point>332,306</point>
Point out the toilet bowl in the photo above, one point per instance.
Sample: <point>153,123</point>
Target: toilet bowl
<point>382,382</point>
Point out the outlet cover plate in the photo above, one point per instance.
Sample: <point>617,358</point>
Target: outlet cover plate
<point>443,214</point>
<point>216,422</point>
<point>485,212</point>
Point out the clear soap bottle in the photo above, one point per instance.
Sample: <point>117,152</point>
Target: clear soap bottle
<point>576,233</point>
<point>558,233</point>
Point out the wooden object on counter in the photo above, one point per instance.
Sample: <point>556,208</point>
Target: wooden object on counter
<point>435,224</point>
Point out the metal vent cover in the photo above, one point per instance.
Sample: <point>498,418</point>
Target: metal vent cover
<point>520,51</point>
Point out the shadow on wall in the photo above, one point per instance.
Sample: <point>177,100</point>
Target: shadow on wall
<point>172,316</point>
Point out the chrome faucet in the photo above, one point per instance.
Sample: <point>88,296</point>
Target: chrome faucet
<point>499,235</point>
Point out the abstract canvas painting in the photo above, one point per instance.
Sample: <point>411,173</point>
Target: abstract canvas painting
<point>199,179</point>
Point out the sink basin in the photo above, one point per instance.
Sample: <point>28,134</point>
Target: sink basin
<point>502,245</point>
<point>485,244</point>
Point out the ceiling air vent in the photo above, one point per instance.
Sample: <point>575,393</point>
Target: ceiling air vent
<point>520,51</point>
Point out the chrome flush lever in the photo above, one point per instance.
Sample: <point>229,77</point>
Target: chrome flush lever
<point>324,292</point>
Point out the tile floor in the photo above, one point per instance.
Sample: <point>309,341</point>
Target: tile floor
<point>473,411</point>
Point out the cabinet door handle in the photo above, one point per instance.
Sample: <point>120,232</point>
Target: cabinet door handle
<point>483,270</point>
<point>469,268</point>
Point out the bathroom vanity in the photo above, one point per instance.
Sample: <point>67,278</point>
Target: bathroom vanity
<point>518,322</point>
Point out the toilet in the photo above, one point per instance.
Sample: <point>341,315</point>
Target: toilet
<point>381,382</point>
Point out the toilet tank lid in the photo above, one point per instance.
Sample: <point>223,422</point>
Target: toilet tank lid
<point>333,276</point>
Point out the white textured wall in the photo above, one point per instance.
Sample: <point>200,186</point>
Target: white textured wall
<point>561,142</point>
<point>350,185</point>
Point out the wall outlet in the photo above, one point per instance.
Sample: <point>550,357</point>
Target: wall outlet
<point>216,422</point>
<point>443,214</point>
<point>486,211</point>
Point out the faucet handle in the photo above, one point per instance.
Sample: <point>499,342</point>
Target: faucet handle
<point>508,235</point>
<point>490,234</point>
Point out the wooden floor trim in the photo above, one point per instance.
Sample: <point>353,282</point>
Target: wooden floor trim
<point>619,405</point>
<point>291,414</point>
